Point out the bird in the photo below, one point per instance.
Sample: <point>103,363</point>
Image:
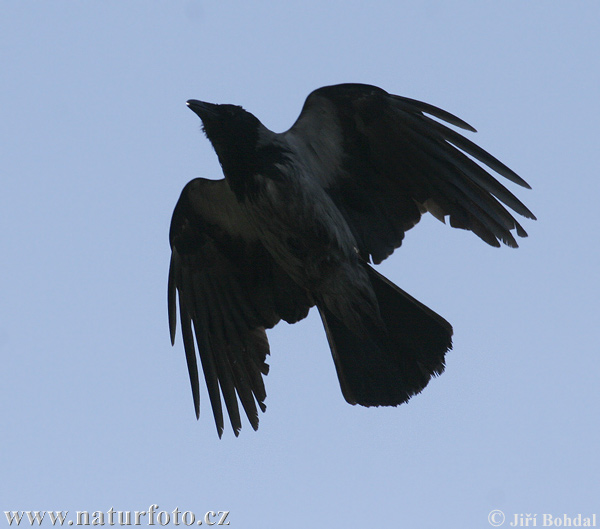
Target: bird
<point>299,220</point>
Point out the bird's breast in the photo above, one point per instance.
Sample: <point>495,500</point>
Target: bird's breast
<point>300,226</point>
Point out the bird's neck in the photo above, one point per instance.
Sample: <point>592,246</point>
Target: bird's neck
<point>247,175</point>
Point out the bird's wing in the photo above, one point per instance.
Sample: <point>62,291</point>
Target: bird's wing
<point>385,161</point>
<point>230,290</point>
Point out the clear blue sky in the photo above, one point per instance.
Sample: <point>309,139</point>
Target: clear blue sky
<point>97,143</point>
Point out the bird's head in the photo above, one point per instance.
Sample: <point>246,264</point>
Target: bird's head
<point>232,131</point>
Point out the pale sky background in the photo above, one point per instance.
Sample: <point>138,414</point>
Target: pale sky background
<point>97,143</point>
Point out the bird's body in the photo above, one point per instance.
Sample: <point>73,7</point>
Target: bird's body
<point>308,237</point>
<point>295,223</point>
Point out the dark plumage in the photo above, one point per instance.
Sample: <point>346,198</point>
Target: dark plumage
<point>296,222</point>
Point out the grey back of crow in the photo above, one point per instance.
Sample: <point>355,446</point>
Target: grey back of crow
<point>297,221</point>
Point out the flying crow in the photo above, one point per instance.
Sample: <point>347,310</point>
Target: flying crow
<point>295,223</point>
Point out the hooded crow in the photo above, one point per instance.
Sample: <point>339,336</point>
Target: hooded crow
<point>296,222</point>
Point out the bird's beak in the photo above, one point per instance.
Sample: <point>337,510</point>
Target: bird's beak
<point>202,109</point>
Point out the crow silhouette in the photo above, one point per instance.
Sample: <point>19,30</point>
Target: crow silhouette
<point>296,222</point>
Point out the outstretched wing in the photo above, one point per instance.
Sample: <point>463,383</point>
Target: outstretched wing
<point>230,290</point>
<point>385,162</point>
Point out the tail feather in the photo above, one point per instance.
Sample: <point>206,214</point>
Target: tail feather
<point>380,368</point>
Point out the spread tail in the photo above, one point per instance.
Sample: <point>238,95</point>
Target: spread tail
<point>385,367</point>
